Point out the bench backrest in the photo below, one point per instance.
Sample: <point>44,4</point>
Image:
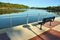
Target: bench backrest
<point>49,19</point>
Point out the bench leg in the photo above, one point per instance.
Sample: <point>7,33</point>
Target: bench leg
<point>40,27</point>
<point>50,23</point>
<point>53,19</point>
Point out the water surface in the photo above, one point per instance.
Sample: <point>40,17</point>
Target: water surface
<point>15,19</point>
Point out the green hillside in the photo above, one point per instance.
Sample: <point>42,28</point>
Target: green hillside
<point>10,5</point>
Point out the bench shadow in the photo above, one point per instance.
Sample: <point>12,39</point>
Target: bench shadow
<point>51,36</point>
<point>28,27</point>
<point>35,25</point>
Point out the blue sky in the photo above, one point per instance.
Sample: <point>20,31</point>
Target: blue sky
<point>35,3</point>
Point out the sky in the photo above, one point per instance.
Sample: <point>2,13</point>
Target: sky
<point>35,3</point>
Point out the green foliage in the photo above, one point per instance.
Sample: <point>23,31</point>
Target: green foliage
<point>6,8</point>
<point>56,8</point>
<point>9,5</point>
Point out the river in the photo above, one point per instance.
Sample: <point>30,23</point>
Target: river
<point>20,18</point>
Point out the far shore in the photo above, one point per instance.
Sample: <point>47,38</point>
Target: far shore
<point>10,10</point>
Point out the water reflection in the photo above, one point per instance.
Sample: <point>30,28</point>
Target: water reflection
<point>9,11</point>
<point>56,12</point>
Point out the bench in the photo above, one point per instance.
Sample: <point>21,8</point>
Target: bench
<point>49,19</point>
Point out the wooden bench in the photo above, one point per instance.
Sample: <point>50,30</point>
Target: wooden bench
<point>49,19</point>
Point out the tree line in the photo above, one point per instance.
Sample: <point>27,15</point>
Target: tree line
<point>10,5</point>
<point>55,8</point>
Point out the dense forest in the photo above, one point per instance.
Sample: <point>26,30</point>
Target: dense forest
<point>54,8</point>
<point>10,5</point>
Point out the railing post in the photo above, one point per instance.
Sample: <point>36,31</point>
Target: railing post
<point>10,21</point>
<point>27,19</point>
<point>38,16</point>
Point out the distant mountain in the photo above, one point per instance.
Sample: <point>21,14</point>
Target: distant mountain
<point>10,5</point>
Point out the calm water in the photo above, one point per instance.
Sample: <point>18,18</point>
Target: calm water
<point>15,19</point>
